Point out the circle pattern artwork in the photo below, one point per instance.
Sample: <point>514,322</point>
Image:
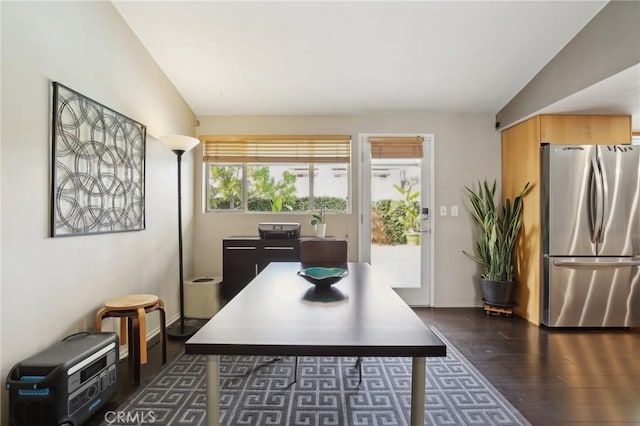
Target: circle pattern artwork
<point>99,167</point>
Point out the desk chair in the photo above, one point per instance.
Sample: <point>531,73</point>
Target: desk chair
<point>323,252</point>
<point>327,253</point>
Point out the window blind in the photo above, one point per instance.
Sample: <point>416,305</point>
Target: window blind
<point>277,149</point>
<point>396,147</point>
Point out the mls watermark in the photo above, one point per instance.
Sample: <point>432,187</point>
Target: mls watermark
<point>122,418</point>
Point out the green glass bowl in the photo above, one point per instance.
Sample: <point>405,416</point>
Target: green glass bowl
<point>319,275</point>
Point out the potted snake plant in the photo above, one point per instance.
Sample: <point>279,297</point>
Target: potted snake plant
<point>494,250</point>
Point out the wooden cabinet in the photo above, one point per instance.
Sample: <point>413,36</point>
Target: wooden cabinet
<point>239,265</point>
<point>585,129</point>
<point>521,163</point>
<point>244,257</point>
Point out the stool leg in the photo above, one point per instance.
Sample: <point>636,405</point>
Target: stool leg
<point>123,332</point>
<point>130,346</point>
<point>134,345</point>
<point>99,316</point>
<point>142,324</point>
<point>163,333</point>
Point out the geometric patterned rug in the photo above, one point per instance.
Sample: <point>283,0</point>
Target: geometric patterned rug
<point>257,390</point>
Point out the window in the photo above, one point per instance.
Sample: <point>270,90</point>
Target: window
<point>277,173</point>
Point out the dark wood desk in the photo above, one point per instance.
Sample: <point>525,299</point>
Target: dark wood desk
<point>280,313</point>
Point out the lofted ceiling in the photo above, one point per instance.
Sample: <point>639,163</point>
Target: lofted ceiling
<point>275,58</point>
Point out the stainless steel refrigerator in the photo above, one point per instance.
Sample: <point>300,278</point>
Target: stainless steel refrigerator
<point>590,200</point>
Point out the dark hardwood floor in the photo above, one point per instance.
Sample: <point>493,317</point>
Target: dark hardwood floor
<point>553,377</point>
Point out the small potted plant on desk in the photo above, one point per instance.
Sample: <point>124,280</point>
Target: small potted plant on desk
<point>319,222</point>
<point>499,228</point>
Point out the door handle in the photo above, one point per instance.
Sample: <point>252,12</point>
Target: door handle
<point>596,203</point>
<point>603,196</point>
<point>595,265</point>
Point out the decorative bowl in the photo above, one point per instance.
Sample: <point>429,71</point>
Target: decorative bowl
<point>322,276</point>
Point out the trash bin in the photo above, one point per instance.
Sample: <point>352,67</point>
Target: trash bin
<point>201,297</point>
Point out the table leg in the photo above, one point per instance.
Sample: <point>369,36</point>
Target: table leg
<point>213,390</point>
<point>418,376</point>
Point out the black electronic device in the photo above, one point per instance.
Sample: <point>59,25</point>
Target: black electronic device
<point>283,230</point>
<point>66,383</point>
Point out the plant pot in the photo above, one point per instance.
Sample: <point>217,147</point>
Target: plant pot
<point>321,229</point>
<point>497,293</point>
<point>413,238</point>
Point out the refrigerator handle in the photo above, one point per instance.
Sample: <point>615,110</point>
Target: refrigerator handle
<point>596,265</point>
<point>603,196</point>
<point>595,201</point>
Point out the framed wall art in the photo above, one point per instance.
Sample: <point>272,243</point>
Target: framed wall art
<point>98,167</point>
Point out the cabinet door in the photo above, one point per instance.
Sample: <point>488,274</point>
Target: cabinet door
<point>585,129</point>
<point>278,251</point>
<point>239,266</point>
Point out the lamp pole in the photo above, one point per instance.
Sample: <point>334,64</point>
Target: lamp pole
<point>179,155</point>
<point>179,145</point>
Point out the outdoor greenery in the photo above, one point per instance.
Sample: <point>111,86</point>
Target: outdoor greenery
<point>280,193</point>
<point>389,226</point>
<point>393,220</point>
<point>333,204</point>
<point>266,193</point>
<point>411,205</point>
<point>499,230</point>
<point>225,188</point>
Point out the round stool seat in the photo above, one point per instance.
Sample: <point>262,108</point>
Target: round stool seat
<point>131,301</point>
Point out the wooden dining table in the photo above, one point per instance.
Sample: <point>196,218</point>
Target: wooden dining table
<point>280,313</point>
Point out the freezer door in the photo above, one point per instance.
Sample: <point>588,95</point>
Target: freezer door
<point>620,166</point>
<point>591,292</point>
<point>568,202</point>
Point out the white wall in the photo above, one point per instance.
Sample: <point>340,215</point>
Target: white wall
<point>52,287</point>
<point>467,148</point>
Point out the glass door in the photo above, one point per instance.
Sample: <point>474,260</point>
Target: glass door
<point>395,233</point>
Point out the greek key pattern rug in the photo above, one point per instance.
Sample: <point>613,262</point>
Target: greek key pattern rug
<point>258,390</point>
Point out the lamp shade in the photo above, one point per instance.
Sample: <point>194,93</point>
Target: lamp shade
<point>179,142</point>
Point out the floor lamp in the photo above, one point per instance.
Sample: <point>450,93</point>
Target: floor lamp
<point>179,145</point>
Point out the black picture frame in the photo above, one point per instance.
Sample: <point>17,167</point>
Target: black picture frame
<point>97,167</point>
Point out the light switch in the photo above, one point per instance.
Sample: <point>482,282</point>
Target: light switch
<point>454,210</point>
<point>443,210</point>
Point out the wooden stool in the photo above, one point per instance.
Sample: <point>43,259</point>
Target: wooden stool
<point>132,310</point>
